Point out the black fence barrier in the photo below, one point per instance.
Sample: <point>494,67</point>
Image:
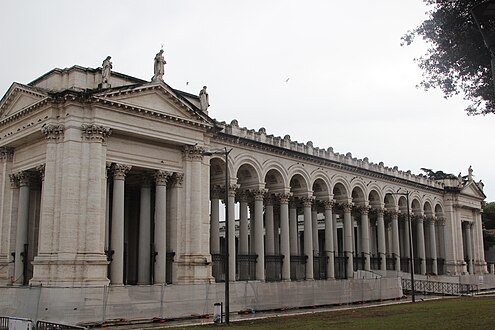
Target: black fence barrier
<point>404,265</point>
<point>441,266</point>
<point>443,288</point>
<point>298,267</point>
<point>375,263</point>
<point>45,325</point>
<point>390,263</point>
<point>246,267</point>
<point>218,267</point>
<point>273,267</point>
<point>340,263</point>
<point>320,266</point>
<point>168,267</point>
<point>359,262</point>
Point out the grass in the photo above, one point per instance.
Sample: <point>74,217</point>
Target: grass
<point>456,313</point>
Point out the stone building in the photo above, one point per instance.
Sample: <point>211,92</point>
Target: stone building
<point>118,181</point>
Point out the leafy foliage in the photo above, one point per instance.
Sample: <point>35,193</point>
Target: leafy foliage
<point>489,215</point>
<point>457,60</point>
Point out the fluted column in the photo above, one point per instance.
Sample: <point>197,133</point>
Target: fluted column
<point>117,238</point>
<point>433,244</point>
<point>395,240</point>
<point>314,218</point>
<point>329,245</point>
<point>269,235</point>
<point>161,178</point>
<point>144,252</point>
<point>308,236</point>
<point>214,222</point>
<point>381,244</point>
<point>259,229</point>
<point>421,243</point>
<point>252,231</point>
<point>22,228</point>
<point>348,234</point>
<point>284,236</point>
<point>6,205</point>
<point>335,235</point>
<point>231,247</point>
<point>243,226</point>
<point>469,246</point>
<point>407,235</point>
<point>174,215</point>
<point>293,228</point>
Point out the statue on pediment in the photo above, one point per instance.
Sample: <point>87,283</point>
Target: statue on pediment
<point>106,69</point>
<point>159,66</point>
<point>204,102</point>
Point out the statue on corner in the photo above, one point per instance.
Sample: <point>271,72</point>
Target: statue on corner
<point>204,102</point>
<point>159,66</point>
<point>106,68</point>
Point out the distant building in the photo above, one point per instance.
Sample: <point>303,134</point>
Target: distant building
<point>120,183</point>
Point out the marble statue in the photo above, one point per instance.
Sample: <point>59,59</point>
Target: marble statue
<point>204,102</point>
<point>159,66</point>
<point>106,68</point>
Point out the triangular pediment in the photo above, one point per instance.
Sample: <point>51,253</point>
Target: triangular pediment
<point>18,98</point>
<point>472,189</point>
<point>158,98</point>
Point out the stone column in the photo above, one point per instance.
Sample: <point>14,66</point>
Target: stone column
<point>22,228</point>
<point>269,235</point>
<point>259,231</point>
<point>215,195</point>
<point>308,236</point>
<point>335,235</point>
<point>284,236</point>
<point>252,231</point>
<point>329,245</point>
<point>314,217</point>
<point>421,243</point>
<point>117,235</point>
<point>231,247</point>
<point>395,240</point>
<point>407,235</point>
<point>174,214</point>
<point>243,226</point>
<point>469,245</point>
<point>441,237</point>
<point>348,234</point>
<point>365,237</point>
<point>6,204</point>
<point>433,244</point>
<point>382,249</point>
<point>161,178</point>
<point>144,252</point>
<point>293,229</point>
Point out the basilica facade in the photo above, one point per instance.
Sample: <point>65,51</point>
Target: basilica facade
<point>110,180</point>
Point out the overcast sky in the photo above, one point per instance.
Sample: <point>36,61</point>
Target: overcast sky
<point>351,85</point>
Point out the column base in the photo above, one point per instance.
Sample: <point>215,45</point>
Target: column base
<point>6,272</point>
<point>70,270</point>
<point>453,267</point>
<point>193,269</point>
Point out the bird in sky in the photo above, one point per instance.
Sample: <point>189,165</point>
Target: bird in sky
<point>287,80</point>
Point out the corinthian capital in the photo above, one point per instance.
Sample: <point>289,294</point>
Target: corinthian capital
<point>120,171</point>
<point>193,153</point>
<point>53,132</point>
<point>92,132</point>
<point>177,179</point>
<point>6,154</point>
<point>161,177</point>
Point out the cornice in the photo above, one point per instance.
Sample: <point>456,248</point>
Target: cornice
<point>297,155</point>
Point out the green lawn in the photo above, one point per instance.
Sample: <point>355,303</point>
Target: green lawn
<point>456,313</point>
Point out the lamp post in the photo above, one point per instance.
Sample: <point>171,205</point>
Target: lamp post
<point>226,153</point>
<point>484,16</point>
<point>411,253</point>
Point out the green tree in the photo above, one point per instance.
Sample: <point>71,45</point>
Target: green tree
<point>457,61</point>
<point>489,215</point>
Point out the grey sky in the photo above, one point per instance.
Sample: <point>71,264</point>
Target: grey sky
<point>351,86</point>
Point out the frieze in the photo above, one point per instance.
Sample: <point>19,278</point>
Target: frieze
<point>92,132</point>
<point>53,132</point>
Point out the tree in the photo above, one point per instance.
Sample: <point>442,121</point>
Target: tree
<point>457,60</point>
<point>488,224</point>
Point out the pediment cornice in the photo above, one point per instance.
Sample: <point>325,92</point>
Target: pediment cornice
<point>14,93</point>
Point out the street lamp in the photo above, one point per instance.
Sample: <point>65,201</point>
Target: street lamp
<point>411,253</point>
<point>226,153</point>
<point>484,15</point>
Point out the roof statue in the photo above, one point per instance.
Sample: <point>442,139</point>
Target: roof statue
<point>470,173</point>
<point>204,102</point>
<point>106,68</point>
<point>159,66</point>
<point>438,175</point>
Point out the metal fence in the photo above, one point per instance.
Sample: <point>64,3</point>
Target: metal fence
<point>320,266</point>
<point>45,325</point>
<point>340,263</point>
<point>218,267</point>
<point>7,323</point>
<point>298,267</point>
<point>273,267</point>
<point>246,267</point>
<point>443,288</point>
<point>390,262</point>
<point>375,263</point>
